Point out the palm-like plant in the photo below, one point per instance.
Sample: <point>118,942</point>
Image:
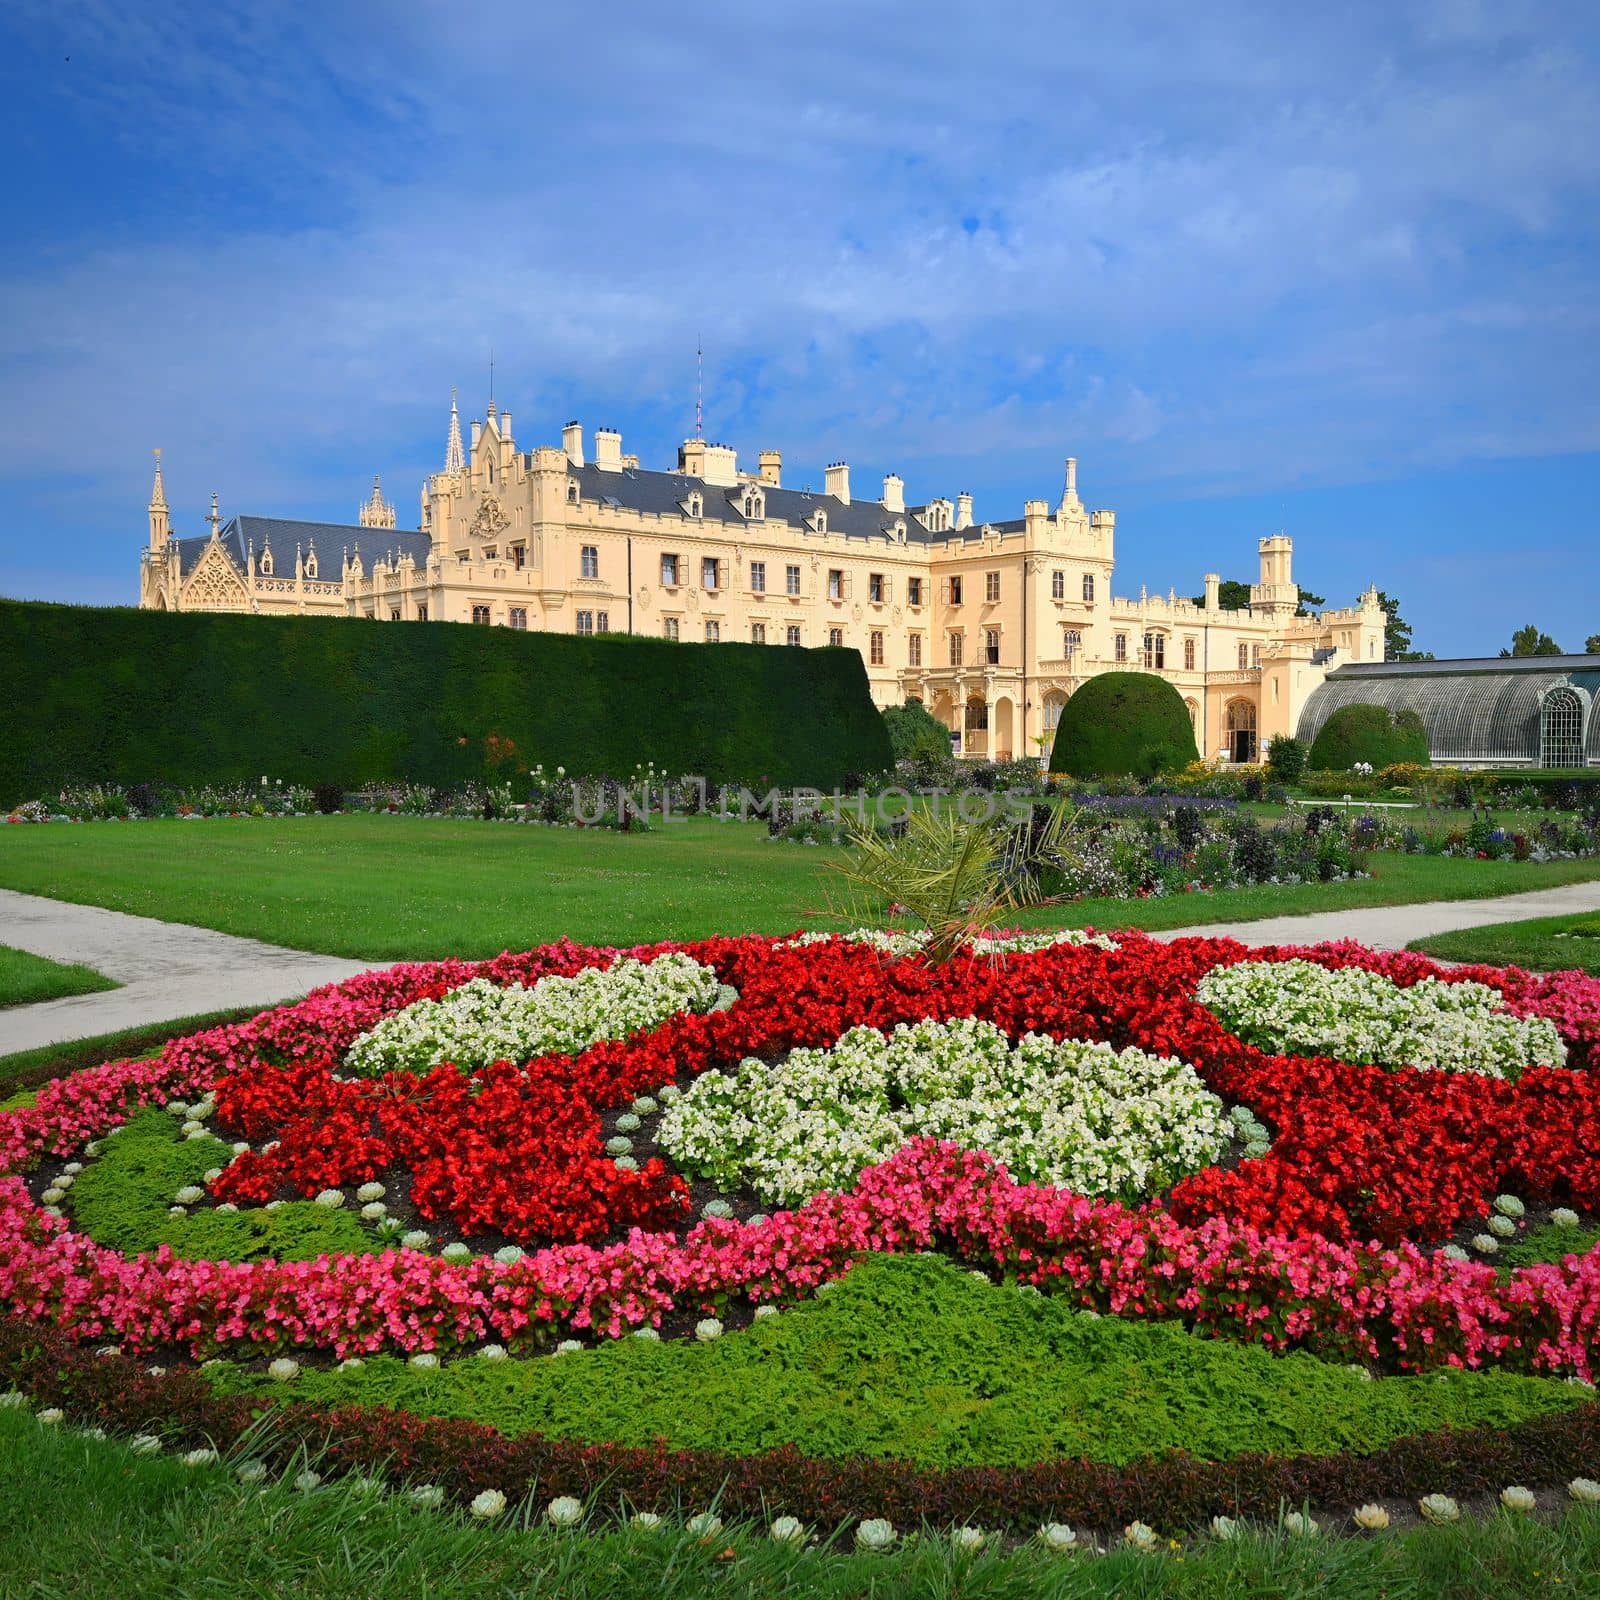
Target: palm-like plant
<point>955,878</point>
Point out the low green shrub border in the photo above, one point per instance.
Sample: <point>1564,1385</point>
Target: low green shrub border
<point>914,1359</point>
<point>124,1394</point>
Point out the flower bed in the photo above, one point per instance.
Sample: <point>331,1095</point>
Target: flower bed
<point>1317,1232</point>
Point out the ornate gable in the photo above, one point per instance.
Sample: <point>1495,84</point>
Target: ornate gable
<point>214,584</point>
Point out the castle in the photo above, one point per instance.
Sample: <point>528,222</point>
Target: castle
<point>992,625</point>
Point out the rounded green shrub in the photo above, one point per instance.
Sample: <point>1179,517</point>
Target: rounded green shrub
<point>1369,733</point>
<point>1123,722</point>
<point>914,731</point>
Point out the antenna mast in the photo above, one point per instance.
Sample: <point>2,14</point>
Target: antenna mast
<point>699,390</point>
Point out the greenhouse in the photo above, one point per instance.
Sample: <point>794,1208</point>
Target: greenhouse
<point>1525,711</point>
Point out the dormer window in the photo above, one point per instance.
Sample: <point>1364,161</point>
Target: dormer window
<point>819,521</point>
<point>311,565</point>
<point>572,494</point>
<point>694,505</point>
<point>266,561</point>
<point>755,504</point>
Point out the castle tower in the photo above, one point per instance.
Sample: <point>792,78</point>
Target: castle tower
<point>1277,595</point>
<point>376,512</point>
<point>160,521</point>
<point>455,458</point>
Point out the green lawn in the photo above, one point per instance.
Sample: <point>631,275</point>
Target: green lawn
<point>389,888</point>
<point>25,978</point>
<point>1544,944</point>
<point>89,1519</point>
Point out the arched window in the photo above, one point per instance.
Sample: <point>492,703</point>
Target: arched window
<point>1155,652</point>
<point>1054,704</point>
<point>755,504</point>
<point>1071,642</point>
<point>1561,729</point>
<point>266,560</point>
<point>1241,730</point>
<point>1188,655</point>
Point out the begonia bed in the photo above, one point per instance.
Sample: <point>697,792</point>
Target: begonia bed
<point>1294,1201</point>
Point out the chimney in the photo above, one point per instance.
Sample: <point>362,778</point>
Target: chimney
<point>477,433</point>
<point>894,493</point>
<point>505,426</point>
<point>1213,588</point>
<point>722,465</point>
<point>770,464</point>
<point>836,481</point>
<point>572,442</point>
<point>692,458</point>
<point>963,510</point>
<point>1072,478</point>
<point>608,449</point>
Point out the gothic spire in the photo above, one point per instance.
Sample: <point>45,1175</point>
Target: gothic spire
<point>455,458</point>
<point>158,495</point>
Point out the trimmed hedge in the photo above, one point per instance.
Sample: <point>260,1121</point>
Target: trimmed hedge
<point>1369,733</point>
<point>125,696</point>
<point>1124,722</point>
<point>914,731</point>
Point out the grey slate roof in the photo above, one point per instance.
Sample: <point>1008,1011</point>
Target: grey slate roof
<point>663,494</point>
<point>332,539</point>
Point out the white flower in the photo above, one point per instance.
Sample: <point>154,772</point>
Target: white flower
<point>200,1458</point>
<point>371,1191</point>
<point>646,1332</point>
<point>788,1530</point>
<point>351,1364</point>
<point>97,1434</point>
<point>177,1211</point>
<point>704,1524</point>
<point>509,1255</point>
<point>625,1164</point>
<point>372,1210</point>
<point>1298,1523</point>
<point>1585,1491</point>
<point>11,1399</point>
<point>191,1128</point>
<point>707,1329</point>
<point>1455,1252</point>
<point>191,1194</point>
<point>456,1251</point>
<point>628,1122</point>
<point>424,1360</point>
<point>1502,1227</point>
<point>488,1505</point>
<point>644,1106</point>
<point>968,1539</point>
<point>331,1198</point>
<point>307,1480</point>
<point>212,1174</point>
<point>1439,1508</point>
<point>73,1168</point>
<point>427,1495</point>
<point>1224,1528</point>
<point>1515,1498</point>
<point>227,1209</point>
<point>1140,1536</point>
<point>240,1148</point>
<point>51,1415</point>
<point>156,1372</point>
<point>52,1196</point>
<point>252,1471</point>
<point>564,1511</point>
<point>763,1312</point>
<point>365,1483</point>
<point>109,1350</point>
<point>1485,1243</point>
<point>1508,1205</point>
<point>1058,1537</point>
<point>284,1369</point>
<point>1564,1217</point>
<point>646,1521</point>
<point>416,1239</point>
<point>65,1181</point>
<point>145,1444</point>
<point>569,1347</point>
<point>716,1208</point>
<point>492,1352</point>
<point>875,1533</point>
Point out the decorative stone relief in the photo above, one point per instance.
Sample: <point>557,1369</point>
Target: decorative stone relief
<point>490,521</point>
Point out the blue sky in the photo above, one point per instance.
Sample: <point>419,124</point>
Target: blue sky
<point>1330,270</point>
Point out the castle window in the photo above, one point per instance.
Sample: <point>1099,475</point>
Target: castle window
<point>1255,655</point>
<point>1188,655</point>
<point>991,586</point>
<point>835,584</point>
<point>311,565</point>
<point>792,634</point>
<point>591,561</point>
<point>875,590</point>
<point>394,613</point>
<point>955,649</point>
<point>713,632</point>
<point>913,591</point>
<point>955,589</point>
<point>519,618</point>
<point>914,649</point>
<point>490,552</point>
<point>758,577</point>
<point>266,561</point>
<point>422,611</point>
<point>1088,588</point>
<point>758,633</point>
<point>708,572</point>
<point>1121,650</point>
<point>836,637</point>
<point>1155,651</point>
<point>480,615</point>
<point>602,622</point>
<point>1058,585</point>
<point>519,556</point>
<point>669,627</point>
<point>572,494</point>
<point>1071,642</point>
<point>820,522</point>
<point>755,504</point>
<point>694,504</point>
<point>991,646</point>
<point>669,572</point>
<point>791,582</point>
<point>1244,657</point>
<point>875,650</point>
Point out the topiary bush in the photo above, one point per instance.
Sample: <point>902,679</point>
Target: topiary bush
<point>1123,722</point>
<point>1286,759</point>
<point>914,731</point>
<point>1369,733</point>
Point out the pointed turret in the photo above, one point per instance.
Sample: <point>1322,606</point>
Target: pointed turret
<point>376,512</point>
<point>455,458</point>
<point>160,521</point>
<point>215,519</point>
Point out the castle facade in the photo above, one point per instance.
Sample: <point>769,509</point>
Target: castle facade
<point>992,625</point>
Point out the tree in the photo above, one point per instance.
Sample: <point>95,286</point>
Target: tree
<point>1530,641</point>
<point>1231,596</point>
<point>1309,602</point>
<point>914,731</point>
<point>1397,633</point>
<point>1591,645</point>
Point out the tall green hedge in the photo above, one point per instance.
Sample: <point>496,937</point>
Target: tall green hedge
<point>1123,722</point>
<point>1368,733</point>
<point>126,696</point>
